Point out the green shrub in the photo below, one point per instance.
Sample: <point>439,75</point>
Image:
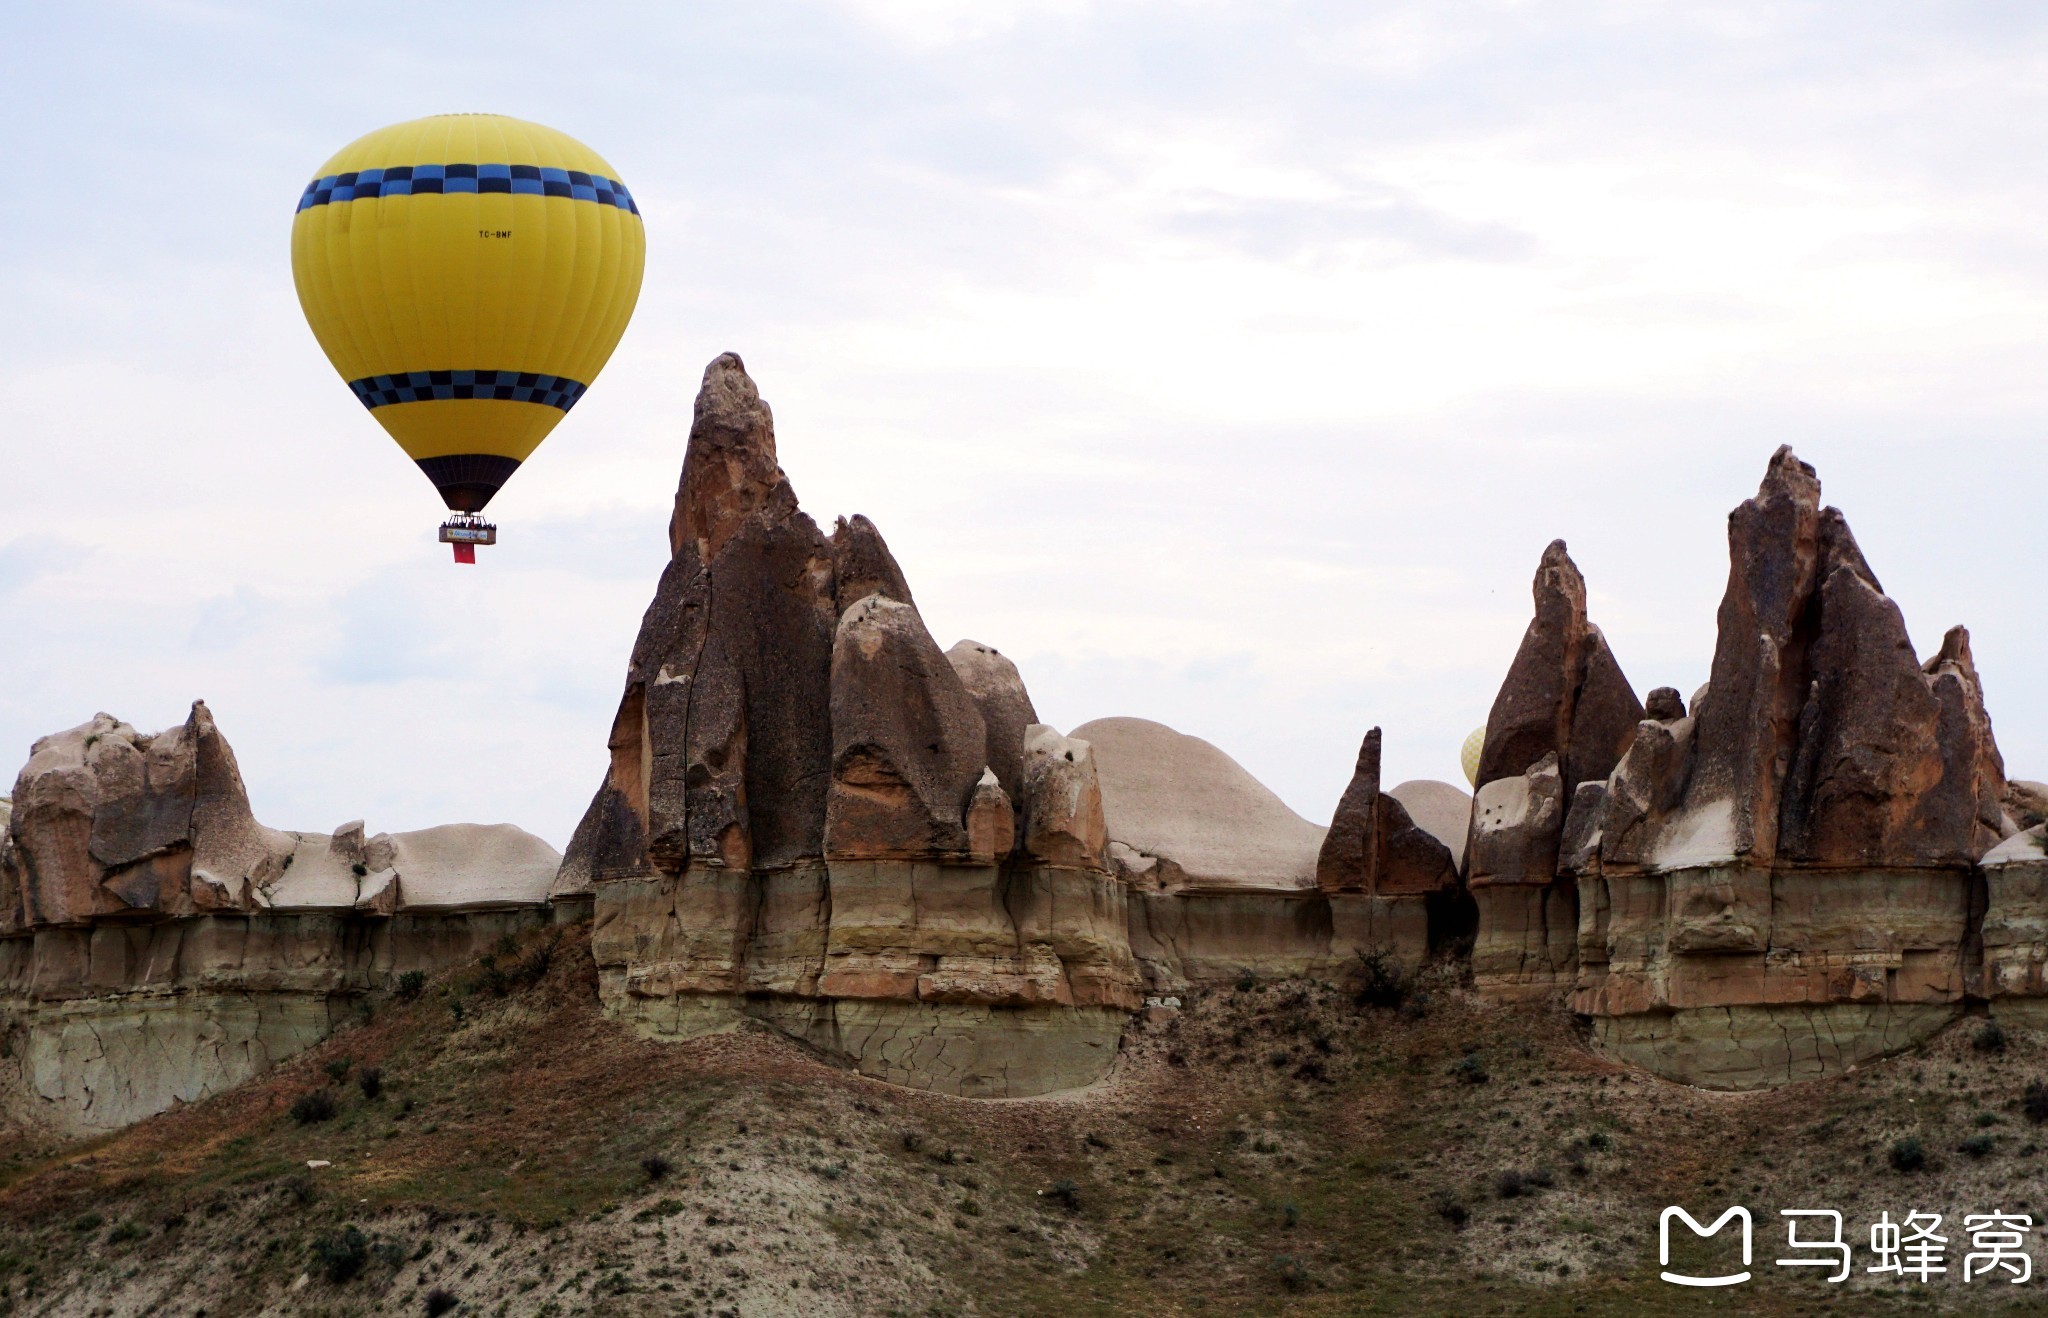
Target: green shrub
<point>1471,1070</point>
<point>371,1081</point>
<point>318,1105</point>
<point>440,1302</point>
<point>1990,1038</point>
<point>655,1166</point>
<point>1066,1194</point>
<point>1293,1274</point>
<point>124,1233</point>
<point>342,1253</point>
<point>2035,1102</point>
<point>411,984</point>
<point>1380,981</point>
<point>88,1222</point>
<point>337,1070</point>
<point>1977,1146</point>
<point>1908,1155</point>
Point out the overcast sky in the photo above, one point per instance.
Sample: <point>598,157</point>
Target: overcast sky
<point>1224,364</point>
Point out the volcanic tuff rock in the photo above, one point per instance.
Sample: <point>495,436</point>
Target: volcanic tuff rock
<point>1444,809</point>
<point>1783,876</point>
<point>158,945</point>
<point>108,821</point>
<point>1564,715</point>
<point>920,878</point>
<point>804,822</point>
<point>1006,712</point>
<point>1374,847</point>
<point>908,744</point>
<point>1062,821</point>
<point>1187,815</point>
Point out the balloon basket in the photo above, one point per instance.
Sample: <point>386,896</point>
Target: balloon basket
<point>465,531</point>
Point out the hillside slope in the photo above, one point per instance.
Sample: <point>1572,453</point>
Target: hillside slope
<point>1274,1148</point>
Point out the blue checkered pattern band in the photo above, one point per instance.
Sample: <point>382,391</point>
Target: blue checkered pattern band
<point>511,386</point>
<point>412,180</point>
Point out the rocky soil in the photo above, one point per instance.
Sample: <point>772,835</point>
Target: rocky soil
<point>1280,1147</point>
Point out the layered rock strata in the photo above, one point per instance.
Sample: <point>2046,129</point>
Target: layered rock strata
<point>1782,881</point>
<point>158,945</point>
<point>809,822</point>
<point>1564,716</point>
<point>816,819</point>
<point>1225,880</point>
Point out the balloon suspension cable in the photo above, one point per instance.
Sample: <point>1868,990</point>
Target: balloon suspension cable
<point>465,531</point>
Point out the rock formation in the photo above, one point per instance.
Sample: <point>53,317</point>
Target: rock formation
<point>1381,872</point>
<point>808,822</point>
<point>158,944</point>
<point>1444,809</point>
<point>1779,883</point>
<point>1564,716</point>
<point>1182,814</point>
<point>1006,713</point>
<point>918,876</point>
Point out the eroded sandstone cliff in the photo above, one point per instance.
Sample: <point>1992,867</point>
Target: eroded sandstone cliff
<point>1782,880</point>
<point>817,819</point>
<point>158,944</point>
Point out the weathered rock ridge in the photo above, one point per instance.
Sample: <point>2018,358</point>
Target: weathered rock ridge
<point>1564,716</point>
<point>816,819</point>
<point>1784,879</point>
<point>158,944</point>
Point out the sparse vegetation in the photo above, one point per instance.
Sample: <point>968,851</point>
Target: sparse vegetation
<point>1292,1273</point>
<point>1989,1038</point>
<point>1978,1146</point>
<point>1380,981</point>
<point>1908,1154</point>
<point>1394,1184</point>
<point>341,1254</point>
<point>313,1106</point>
<point>338,1069</point>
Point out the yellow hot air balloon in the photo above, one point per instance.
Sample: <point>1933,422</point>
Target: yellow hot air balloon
<point>1468,755</point>
<point>468,275</point>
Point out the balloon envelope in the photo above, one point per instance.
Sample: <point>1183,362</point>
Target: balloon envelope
<point>1468,755</point>
<point>468,275</point>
